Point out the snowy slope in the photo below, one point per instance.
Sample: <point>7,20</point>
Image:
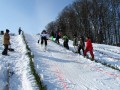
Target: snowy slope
<point>20,77</point>
<point>107,53</point>
<point>61,69</point>
<point>103,53</point>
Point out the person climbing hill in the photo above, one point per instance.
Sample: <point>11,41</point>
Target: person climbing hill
<point>57,36</point>
<point>75,43</point>
<point>65,43</point>
<point>44,37</point>
<point>81,45</point>
<point>89,47</point>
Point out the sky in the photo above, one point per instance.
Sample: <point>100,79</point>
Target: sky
<point>31,15</point>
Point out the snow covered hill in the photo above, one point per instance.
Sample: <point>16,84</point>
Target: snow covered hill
<point>20,76</point>
<point>105,54</point>
<point>60,69</point>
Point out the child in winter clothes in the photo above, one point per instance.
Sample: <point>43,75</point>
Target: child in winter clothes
<point>44,37</point>
<point>6,42</point>
<point>89,47</point>
<point>65,43</point>
<point>75,42</point>
<point>81,45</point>
<point>57,36</point>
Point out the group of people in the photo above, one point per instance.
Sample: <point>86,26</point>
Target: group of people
<point>6,41</point>
<point>56,35</point>
<point>44,37</point>
<point>79,44</point>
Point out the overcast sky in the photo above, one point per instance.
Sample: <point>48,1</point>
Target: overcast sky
<point>31,15</point>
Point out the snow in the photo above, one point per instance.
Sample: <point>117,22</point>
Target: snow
<point>3,73</point>
<point>64,70</point>
<point>104,53</point>
<point>59,68</point>
<point>20,76</point>
<point>108,54</point>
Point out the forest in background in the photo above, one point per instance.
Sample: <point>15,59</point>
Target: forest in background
<point>99,19</point>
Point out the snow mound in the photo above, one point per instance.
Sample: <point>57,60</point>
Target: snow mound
<point>3,76</point>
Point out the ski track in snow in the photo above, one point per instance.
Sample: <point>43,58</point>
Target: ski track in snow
<point>108,54</point>
<point>61,69</point>
<point>104,53</point>
<point>108,48</point>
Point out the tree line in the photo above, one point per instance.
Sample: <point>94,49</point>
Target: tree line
<point>99,19</point>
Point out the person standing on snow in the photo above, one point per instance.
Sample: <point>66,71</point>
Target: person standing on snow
<point>6,42</point>
<point>2,33</point>
<point>89,47</point>
<point>44,37</point>
<point>81,45</point>
<point>65,43</point>
<point>19,31</point>
<point>57,36</point>
<point>52,35</point>
<point>75,42</point>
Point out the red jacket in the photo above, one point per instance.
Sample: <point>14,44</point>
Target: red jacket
<point>89,45</point>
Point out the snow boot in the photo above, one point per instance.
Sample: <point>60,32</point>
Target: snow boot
<point>92,59</point>
<point>4,53</point>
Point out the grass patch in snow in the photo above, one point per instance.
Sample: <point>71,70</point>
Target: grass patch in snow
<point>32,67</point>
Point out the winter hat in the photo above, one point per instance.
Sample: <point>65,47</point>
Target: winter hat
<point>7,31</point>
